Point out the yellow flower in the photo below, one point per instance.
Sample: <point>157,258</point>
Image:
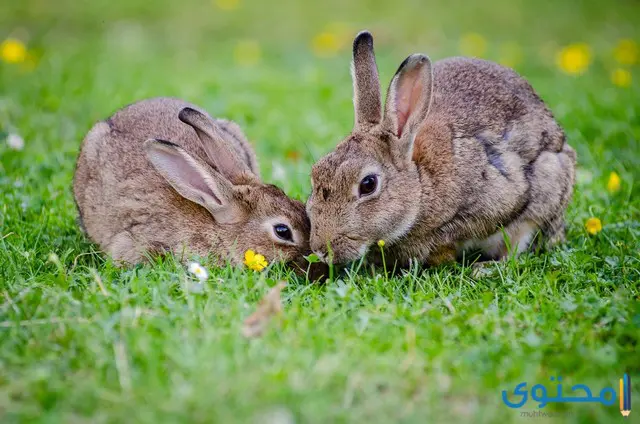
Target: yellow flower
<point>226,4</point>
<point>593,226</point>
<point>621,77</point>
<point>254,261</point>
<point>247,53</point>
<point>614,182</point>
<point>473,44</point>
<point>574,59</point>
<point>380,243</point>
<point>13,51</point>
<point>626,52</point>
<point>331,40</point>
<point>325,44</point>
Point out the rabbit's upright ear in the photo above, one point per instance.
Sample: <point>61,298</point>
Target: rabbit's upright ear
<point>217,148</point>
<point>192,180</point>
<point>408,99</point>
<point>366,83</point>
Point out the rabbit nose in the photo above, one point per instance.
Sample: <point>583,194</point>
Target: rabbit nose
<point>321,253</point>
<point>317,241</point>
<point>319,248</point>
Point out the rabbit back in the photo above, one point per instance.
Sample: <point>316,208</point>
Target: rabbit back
<point>478,97</point>
<point>511,165</point>
<point>124,204</point>
<point>158,118</point>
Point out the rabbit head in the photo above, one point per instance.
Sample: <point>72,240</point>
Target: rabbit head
<point>368,188</point>
<point>246,214</point>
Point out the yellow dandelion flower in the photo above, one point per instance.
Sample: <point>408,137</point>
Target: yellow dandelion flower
<point>247,53</point>
<point>254,261</point>
<point>334,37</point>
<point>226,4</point>
<point>626,52</point>
<point>473,44</point>
<point>325,44</point>
<point>614,182</point>
<point>593,226</point>
<point>621,77</point>
<point>574,59</point>
<point>510,54</point>
<point>381,243</point>
<point>13,51</point>
<point>293,155</point>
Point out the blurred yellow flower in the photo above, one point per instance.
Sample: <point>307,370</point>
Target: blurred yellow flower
<point>626,52</point>
<point>380,243</point>
<point>614,182</point>
<point>293,155</point>
<point>247,53</point>
<point>325,44</point>
<point>13,51</point>
<point>574,59</point>
<point>226,4</point>
<point>331,40</point>
<point>473,44</point>
<point>621,77</point>
<point>593,226</point>
<point>255,261</point>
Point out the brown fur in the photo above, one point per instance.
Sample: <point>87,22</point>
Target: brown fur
<point>130,209</point>
<point>464,148</point>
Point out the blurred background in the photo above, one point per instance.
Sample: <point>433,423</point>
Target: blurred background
<point>281,68</point>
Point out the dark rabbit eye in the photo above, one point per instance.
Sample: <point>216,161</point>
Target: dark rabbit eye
<point>368,185</point>
<point>283,232</point>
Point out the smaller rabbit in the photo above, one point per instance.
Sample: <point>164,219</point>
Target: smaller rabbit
<point>463,154</point>
<point>162,176</point>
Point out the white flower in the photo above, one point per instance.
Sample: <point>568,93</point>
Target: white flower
<point>279,173</point>
<point>15,142</point>
<point>198,270</point>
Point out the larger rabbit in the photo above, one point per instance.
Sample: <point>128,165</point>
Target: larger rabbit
<point>464,155</point>
<point>162,176</point>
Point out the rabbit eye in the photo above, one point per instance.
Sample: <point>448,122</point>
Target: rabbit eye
<point>283,232</point>
<point>368,185</point>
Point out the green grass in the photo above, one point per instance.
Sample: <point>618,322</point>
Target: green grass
<point>433,345</point>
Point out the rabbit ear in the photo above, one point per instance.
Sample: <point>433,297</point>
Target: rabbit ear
<point>192,180</point>
<point>408,99</point>
<point>366,83</point>
<point>217,148</point>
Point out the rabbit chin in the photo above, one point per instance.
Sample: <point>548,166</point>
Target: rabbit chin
<point>352,253</point>
<point>352,256</point>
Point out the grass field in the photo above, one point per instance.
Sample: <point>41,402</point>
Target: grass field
<point>82,340</point>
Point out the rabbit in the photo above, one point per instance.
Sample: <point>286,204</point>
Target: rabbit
<point>161,176</point>
<point>465,155</point>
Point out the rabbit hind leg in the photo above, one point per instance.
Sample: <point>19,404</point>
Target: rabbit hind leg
<point>551,179</point>
<point>512,240</point>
